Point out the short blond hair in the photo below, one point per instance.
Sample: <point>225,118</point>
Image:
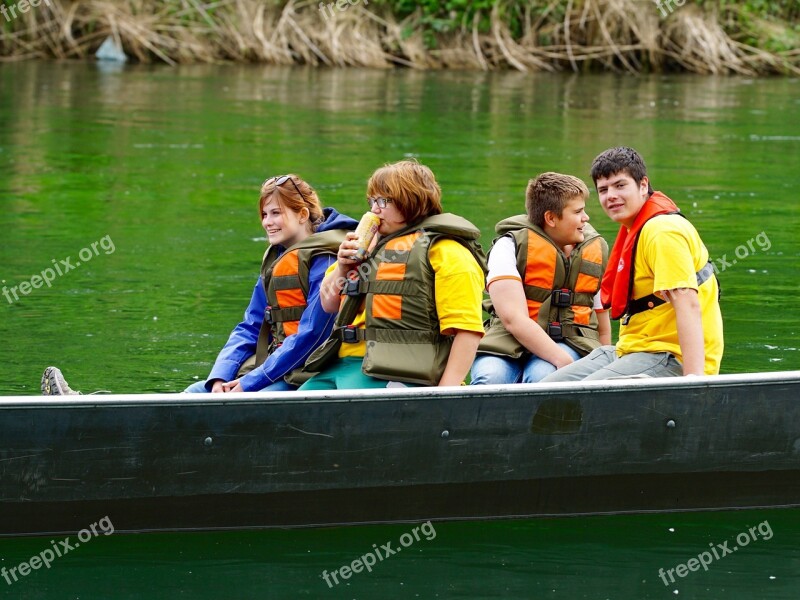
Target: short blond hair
<point>551,192</point>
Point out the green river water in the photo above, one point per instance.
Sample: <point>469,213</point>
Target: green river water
<point>159,170</point>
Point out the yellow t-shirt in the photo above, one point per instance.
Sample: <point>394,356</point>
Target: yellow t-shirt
<point>668,256</point>
<point>458,293</point>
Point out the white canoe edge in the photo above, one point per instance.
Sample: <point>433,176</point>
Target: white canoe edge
<point>393,394</point>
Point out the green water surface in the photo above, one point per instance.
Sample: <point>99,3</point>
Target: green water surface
<point>160,168</point>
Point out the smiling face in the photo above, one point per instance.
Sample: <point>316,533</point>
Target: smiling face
<point>567,230</point>
<point>284,227</point>
<point>621,198</point>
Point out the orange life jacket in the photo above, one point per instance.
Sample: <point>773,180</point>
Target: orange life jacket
<point>559,291</point>
<point>396,289</point>
<point>544,274</point>
<point>285,280</point>
<point>616,290</point>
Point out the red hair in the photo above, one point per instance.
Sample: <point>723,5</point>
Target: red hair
<point>411,185</point>
<point>293,197</point>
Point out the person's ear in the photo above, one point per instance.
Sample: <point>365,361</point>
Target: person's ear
<point>644,185</point>
<point>550,218</point>
<point>305,214</point>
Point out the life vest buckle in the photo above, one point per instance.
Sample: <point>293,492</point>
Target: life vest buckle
<point>561,298</point>
<point>555,331</point>
<point>349,334</point>
<point>268,315</point>
<point>351,288</point>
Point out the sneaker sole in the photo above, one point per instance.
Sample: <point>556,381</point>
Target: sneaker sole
<point>50,383</point>
<point>47,383</point>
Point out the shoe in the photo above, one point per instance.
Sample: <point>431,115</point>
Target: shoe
<point>54,384</point>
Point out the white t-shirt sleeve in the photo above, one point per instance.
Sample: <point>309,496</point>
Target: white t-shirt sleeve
<point>503,261</point>
<point>598,303</point>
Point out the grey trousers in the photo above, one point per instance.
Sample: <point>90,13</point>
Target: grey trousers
<point>603,363</point>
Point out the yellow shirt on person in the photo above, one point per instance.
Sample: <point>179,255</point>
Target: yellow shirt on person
<point>458,294</point>
<point>668,256</point>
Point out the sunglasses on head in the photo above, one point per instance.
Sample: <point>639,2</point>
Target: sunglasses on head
<point>279,181</point>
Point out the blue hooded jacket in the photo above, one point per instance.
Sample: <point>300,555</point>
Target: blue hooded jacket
<point>314,328</point>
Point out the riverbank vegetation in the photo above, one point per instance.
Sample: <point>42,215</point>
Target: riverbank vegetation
<point>700,36</point>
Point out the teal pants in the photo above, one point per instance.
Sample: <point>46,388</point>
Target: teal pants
<point>345,374</point>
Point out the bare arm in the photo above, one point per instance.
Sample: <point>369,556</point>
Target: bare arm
<point>690,329</point>
<point>508,298</point>
<point>334,282</point>
<point>462,353</point>
<point>604,327</point>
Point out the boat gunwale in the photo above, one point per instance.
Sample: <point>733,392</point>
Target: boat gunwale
<point>397,394</point>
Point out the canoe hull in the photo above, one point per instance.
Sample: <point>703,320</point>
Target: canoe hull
<point>182,462</point>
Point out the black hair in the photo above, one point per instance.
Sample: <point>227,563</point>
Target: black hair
<point>620,160</point>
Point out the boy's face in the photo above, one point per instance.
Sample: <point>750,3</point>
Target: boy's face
<point>568,228</point>
<point>621,198</point>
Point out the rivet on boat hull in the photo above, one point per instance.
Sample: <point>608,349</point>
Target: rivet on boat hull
<point>671,424</point>
<point>208,441</point>
<point>445,434</point>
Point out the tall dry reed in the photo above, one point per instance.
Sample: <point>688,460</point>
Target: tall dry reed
<point>620,35</point>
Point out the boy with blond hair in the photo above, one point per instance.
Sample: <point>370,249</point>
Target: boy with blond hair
<point>543,282</point>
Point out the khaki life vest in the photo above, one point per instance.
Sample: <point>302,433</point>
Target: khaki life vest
<point>396,289</point>
<point>285,280</point>
<point>559,290</point>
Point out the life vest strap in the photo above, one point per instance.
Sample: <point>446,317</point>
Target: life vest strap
<point>358,287</point>
<point>282,315</point>
<point>559,331</point>
<point>352,335</point>
<point>651,301</point>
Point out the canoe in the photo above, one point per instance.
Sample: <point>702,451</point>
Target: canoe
<point>166,462</point>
